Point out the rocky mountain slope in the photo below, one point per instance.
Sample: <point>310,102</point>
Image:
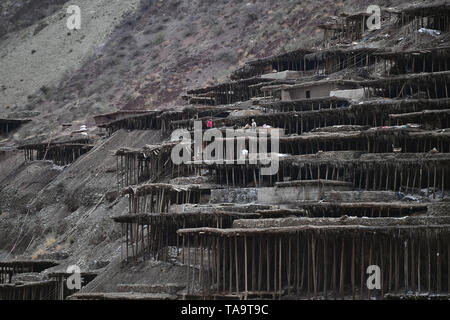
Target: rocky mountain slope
<point>128,54</point>
<point>142,54</point>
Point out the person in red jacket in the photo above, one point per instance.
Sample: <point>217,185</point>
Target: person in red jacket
<point>209,124</point>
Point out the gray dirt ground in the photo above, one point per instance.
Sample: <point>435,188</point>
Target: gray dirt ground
<point>146,273</point>
<point>57,49</point>
<point>144,54</point>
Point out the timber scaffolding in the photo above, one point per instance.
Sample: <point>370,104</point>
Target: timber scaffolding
<point>318,258</point>
<point>142,166</point>
<point>349,27</point>
<point>378,170</point>
<point>152,235</point>
<point>135,166</point>
<point>409,172</point>
<point>9,268</point>
<point>352,209</point>
<point>158,197</point>
<point>61,153</point>
<point>112,116</point>
<point>307,63</point>
<point>405,139</point>
<point>432,85</point>
<point>431,118</point>
<point>229,92</point>
<point>305,104</point>
<point>431,16</point>
<point>152,120</point>
<point>332,112</point>
<point>150,226</point>
<point>292,60</point>
<point>9,125</point>
<point>427,85</point>
<point>62,291</point>
<point>332,60</point>
<point>416,60</point>
<point>53,289</point>
<point>161,120</point>
<point>39,290</point>
<point>352,26</point>
<point>153,162</point>
<point>309,89</point>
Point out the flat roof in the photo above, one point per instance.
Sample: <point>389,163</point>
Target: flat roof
<point>352,83</point>
<point>45,264</point>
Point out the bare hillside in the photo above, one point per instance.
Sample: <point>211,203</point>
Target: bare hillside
<point>144,54</point>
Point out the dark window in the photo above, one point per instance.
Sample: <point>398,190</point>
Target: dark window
<point>308,94</point>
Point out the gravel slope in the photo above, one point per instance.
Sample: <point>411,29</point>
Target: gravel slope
<point>57,50</point>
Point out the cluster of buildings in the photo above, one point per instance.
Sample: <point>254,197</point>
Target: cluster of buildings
<point>363,179</point>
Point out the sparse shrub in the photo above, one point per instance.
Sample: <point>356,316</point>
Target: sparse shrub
<point>190,30</point>
<point>208,21</point>
<point>111,62</point>
<point>137,53</point>
<point>251,17</point>
<point>217,30</point>
<point>127,39</point>
<point>126,97</point>
<point>44,89</point>
<point>278,16</point>
<point>145,5</point>
<point>227,55</point>
<point>158,28</point>
<point>173,5</point>
<point>155,55</point>
<point>148,31</point>
<point>159,38</point>
<point>50,241</point>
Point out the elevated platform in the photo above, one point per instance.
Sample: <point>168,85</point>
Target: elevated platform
<point>8,125</point>
<point>168,288</point>
<point>282,192</point>
<point>121,296</point>
<point>42,290</point>
<point>12,267</point>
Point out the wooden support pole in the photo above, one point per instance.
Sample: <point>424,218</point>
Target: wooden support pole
<point>289,267</point>
<point>188,265</point>
<point>245,267</point>
<point>231,264</point>
<point>313,255</point>
<point>280,267</point>
<point>353,268</point>
<point>260,263</point>
<point>341,278</point>
<point>268,264</point>
<point>362,271</point>
<point>325,267</point>
<point>236,260</point>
